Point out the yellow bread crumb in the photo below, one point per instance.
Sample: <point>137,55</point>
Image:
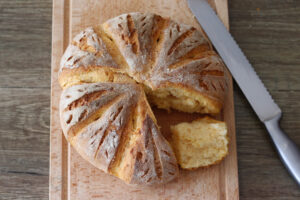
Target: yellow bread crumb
<point>182,99</point>
<point>200,143</point>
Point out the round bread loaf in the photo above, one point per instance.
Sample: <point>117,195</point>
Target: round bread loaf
<point>105,73</point>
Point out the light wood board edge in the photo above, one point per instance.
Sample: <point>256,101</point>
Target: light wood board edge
<point>58,176</point>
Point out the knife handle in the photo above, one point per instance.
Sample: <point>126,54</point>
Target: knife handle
<point>287,149</point>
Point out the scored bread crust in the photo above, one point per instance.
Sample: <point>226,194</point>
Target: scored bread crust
<point>112,126</point>
<point>154,51</point>
<point>109,121</point>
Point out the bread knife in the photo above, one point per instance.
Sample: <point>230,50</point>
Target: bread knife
<point>252,87</point>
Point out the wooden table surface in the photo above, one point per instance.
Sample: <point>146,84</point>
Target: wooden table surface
<point>269,33</point>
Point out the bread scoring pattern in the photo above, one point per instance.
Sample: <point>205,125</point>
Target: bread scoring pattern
<point>112,126</point>
<point>109,72</point>
<point>154,51</point>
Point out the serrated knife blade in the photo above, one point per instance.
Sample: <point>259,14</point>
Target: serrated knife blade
<point>252,87</point>
<point>233,57</point>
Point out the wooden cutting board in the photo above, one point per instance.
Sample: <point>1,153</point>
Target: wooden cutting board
<point>73,178</point>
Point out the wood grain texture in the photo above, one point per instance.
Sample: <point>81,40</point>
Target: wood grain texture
<point>24,139</point>
<point>268,32</point>
<point>25,39</point>
<point>269,36</point>
<point>25,35</point>
<point>80,179</point>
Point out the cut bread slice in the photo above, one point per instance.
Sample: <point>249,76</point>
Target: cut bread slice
<point>201,143</point>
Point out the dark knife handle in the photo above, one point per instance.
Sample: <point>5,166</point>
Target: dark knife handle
<point>287,149</point>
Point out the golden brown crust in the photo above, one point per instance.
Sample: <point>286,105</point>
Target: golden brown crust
<point>111,126</point>
<point>91,74</point>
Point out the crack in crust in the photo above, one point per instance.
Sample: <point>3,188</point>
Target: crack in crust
<point>86,99</point>
<point>180,39</point>
<point>133,36</point>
